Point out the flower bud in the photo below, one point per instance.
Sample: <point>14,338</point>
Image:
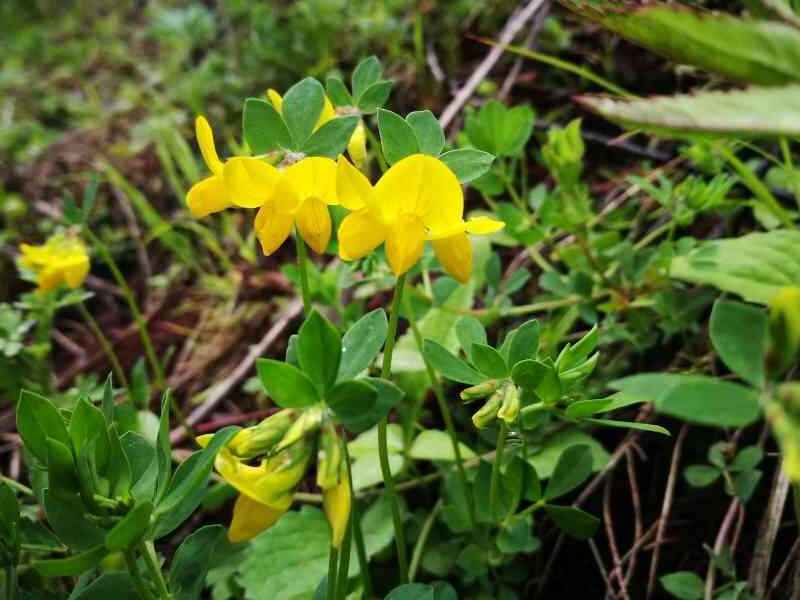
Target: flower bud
<point>784,326</point>
<point>329,458</point>
<point>306,424</point>
<point>261,439</point>
<point>476,392</point>
<point>509,407</point>
<point>357,147</point>
<point>336,501</point>
<point>488,412</point>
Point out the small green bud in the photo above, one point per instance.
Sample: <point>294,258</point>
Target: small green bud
<point>476,392</point>
<point>329,458</point>
<point>309,421</point>
<point>784,326</point>
<point>509,408</point>
<point>488,412</point>
<point>261,439</point>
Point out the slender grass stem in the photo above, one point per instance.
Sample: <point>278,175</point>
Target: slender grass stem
<point>302,267</point>
<point>447,415</point>
<point>151,560</point>
<point>355,524</point>
<point>496,465</point>
<point>344,562</point>
<point>136,575</point>
<point>105,344</point>
<point>11,582</point>
<point>333,559</point>
<point>383,450</point>
<point>419,547</point>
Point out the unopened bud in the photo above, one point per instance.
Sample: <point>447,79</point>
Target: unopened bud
<point>306,424</point>
<point>509,407</point>
<point>329,458</point>
<point>337,502</point>
<point>261,439</point>
<point>784,327</point>
<point>476,392</point>
<point>357,147</point>
<point>488,412</point>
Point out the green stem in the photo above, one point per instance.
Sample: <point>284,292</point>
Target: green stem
<point>104,343</point>
<point>422,540</point>
<point>133,306</point>
<point>342,578</point>
<point>332,563</point>
<point>383,450</point>
<point>11,582</point>
<point>447,415</point>
<point>302,257</point>
<point>138,581</point>
<point>149,553</point>
<point>355,524</point>
<point>498,461</point>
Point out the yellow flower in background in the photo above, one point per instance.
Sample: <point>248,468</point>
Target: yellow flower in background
<point>418,199</point>
<point>60,260</point>
<point>242,181</point>
<point>302,195</point>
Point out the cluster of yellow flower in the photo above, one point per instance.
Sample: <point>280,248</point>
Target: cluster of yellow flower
<point>62,259</point>
<point>418,198</point>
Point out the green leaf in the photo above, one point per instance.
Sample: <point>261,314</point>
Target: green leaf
<point>388,395</point>
<point>66,514</point>
<point>539,376</point>
<point>469,331</point>
<point>546,459</point>
<point>61,470</point>
<point>263,126</point>
<point>120,476</point>
<point>412,591</point>
<point>367,72</point>
<point>131,529</point>
<point>499,130</point>
<point>142,460</point>
<point>118,585</point>
<point>187,575</point>
<point>397,137</point>
<point>88,423</point>
<point>332,138</point>
<point>489,361</point>
<point>747,459</point>
<point>319,350</point>
<point>760,52</point>
<point>73,565</point>
<point>429,133</point>
<point>374,97</point>
<point>739,333</point>
<point>448,365</point>
<point>302,106</point>
<point>524,343</point>
<point>753,112</point>
<point>573,521</point>
<point>38,419</point>
<point>754,266</point>
<point>108,392</point>
<point>467,163</point>
<point>351,400</point>
<point>573,468</point>
<point>631,425</point>
<point>433,444</point>
<point>361,343</point>
<point>701,475</point>
<point>586,408</point>
<point>695,398</point>
<point>287,385</point>
<point>337,92</point>
<point>684,585</point>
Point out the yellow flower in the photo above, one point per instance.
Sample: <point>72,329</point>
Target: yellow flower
<point>241,180</point>
<point>419,198</point>
<point>60,260</point>
<point>302,196</point>
<point>336,501</point>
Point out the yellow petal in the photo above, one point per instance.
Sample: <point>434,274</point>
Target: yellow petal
<point>483,225</point>
<point>424,187</point>
<point>207,196</point>
<point>405,243</point>
<point>313,177</point>
<point>314,224</point>
<point>75,271</point>
<point>336,502</point>
<point>353,188</point>
<point>272,228</point>
<point>251,518</point>
<point>455,254</point>
<point>250,182</point>
<point>276,100</point>
<point>205,139</point>
<point>328,113</point>
<point>357,146</point>
<point>359,234</point>
<point>49,279</point>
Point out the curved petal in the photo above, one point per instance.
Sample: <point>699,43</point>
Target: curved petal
<point>483,225</point>
<point>75,271</point>
<point>251,518</point>
<point>424,187</point>
<point>336,502</point>
<point>455,254</point>
<point>207,196</point>
<point>250,182</point>
<point>359,234</point>
<point>313,177</point>
<point>328,113</point>
<point>205,139</point>
<point>357,146</point>
<point>405,243</point>
<point>314,224</point>
<point>272,228</point>
<point>352,186</point>
<point>49,278</point>
<point>276,99</point>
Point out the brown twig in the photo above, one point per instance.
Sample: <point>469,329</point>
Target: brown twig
<point>768,530</point>
<point>722,535</point>
<point>612,542</point>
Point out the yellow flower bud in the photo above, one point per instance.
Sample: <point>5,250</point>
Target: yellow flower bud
<point>329,459</point>
<point>784,330</point>
<point>476,392</point>
<point>306,424</point>
<point>509,408</point>
<point>336,502</point>
<point>488,412</point>
<point>357,147</point>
